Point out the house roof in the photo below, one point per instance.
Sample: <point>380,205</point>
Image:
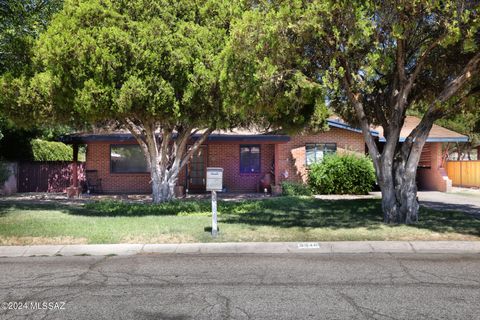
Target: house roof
<point>337,122</point>
<point>437,133</point>
<point>239,136</point>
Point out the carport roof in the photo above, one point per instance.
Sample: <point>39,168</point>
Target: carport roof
<point>437,134</point>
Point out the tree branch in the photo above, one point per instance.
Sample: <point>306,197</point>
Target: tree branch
<point>400,58</point>
<point>434,111</point>
<point>140,137</point>
<point>194,147</point>
<point>420,63</point>
<point>360,112</point>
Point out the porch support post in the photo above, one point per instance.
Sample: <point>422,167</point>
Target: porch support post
<point>277,188</point>
<point>75,166</point>
<point>74,190</point>
<point>276,158</point>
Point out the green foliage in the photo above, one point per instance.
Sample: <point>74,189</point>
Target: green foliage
<point>265,74</point>
<point>50,151</point>
<point>112,60</point>
<point>4,173</point>
<point>16,142</point>
<point>20,24</point>
<point>116,208</point>
<point>294,52</point>
<point>295,189</point>
<point>342,174</point>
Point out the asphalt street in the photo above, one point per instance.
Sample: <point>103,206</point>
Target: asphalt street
<point>236,286</point>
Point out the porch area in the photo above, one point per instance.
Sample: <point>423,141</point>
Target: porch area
<point>249,163</point>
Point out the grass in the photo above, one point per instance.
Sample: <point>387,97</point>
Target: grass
<point>276,219</point>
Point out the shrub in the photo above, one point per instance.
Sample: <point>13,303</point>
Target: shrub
<point>50,151</point>
<point>342,174</point>
<point>295,189</point>
<point>176,207</point>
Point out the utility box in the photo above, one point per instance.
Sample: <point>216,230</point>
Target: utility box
<point>214,179</point>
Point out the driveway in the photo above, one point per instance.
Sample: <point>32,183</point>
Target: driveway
<point>464,200</point>
<point>262,286</point>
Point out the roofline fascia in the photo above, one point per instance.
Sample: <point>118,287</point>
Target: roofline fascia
<point>345,126</point>
<point>212,138</point>
<point>441,139</point>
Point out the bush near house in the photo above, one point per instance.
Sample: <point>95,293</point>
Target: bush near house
<point>342,174</point>
<point>50,151</point>
<point>295,189</point>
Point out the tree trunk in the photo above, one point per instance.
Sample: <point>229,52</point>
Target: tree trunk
<point>163,184</point>
<point>165,154</point>
<point>399,195</point>
<point>156,186</point>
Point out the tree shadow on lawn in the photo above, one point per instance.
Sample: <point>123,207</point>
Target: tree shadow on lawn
<point>110,208</point>
<point>312,213</point>
<point>337,214</point>
<point>11,206</point>
<point>282,212</point>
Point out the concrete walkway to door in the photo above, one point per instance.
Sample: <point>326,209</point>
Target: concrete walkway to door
<point>460,199</point>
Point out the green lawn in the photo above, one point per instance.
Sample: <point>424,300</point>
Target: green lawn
<point>276,219</point>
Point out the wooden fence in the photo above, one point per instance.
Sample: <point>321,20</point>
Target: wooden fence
<point>51,176</point>
<point>464,173</point>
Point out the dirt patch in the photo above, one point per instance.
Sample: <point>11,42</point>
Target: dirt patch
<point>22,241</point>
<point>371,195</point>
<point>438,237</point>
<point>167,238</point>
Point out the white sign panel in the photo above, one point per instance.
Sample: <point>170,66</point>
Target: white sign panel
<point>309,245</point>
<point>214,179</point>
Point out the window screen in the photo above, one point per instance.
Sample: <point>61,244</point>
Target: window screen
<point>249,158</point>
<point>316,151</point>
<point>127,159</point>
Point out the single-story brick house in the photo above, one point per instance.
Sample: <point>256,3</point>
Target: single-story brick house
<point>248,156</point>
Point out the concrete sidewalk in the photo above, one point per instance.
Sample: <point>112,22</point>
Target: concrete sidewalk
<point>245,247</point>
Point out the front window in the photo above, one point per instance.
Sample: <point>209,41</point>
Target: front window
<point>316,151</point>
<point>249,158</point>
<point>127,158</point>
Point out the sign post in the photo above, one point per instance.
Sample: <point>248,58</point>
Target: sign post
<point>214,184</point>
<point>214,214</point>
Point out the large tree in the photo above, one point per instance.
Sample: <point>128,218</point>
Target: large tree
<point>372,61</point>
<point>21,22</point>
<point>148,66</point>
<point>152,67</point>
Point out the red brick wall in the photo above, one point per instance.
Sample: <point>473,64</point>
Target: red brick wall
<point>227,156</point>
<point>292,157</point>
<point>433,178</point>
<point>98,158</point>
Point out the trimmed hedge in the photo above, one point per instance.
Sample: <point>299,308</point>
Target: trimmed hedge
<point>295,189</point>
<point>50,151</point>
<point>342,174</point>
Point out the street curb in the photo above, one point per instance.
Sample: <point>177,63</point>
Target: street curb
<point>338,247</point>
